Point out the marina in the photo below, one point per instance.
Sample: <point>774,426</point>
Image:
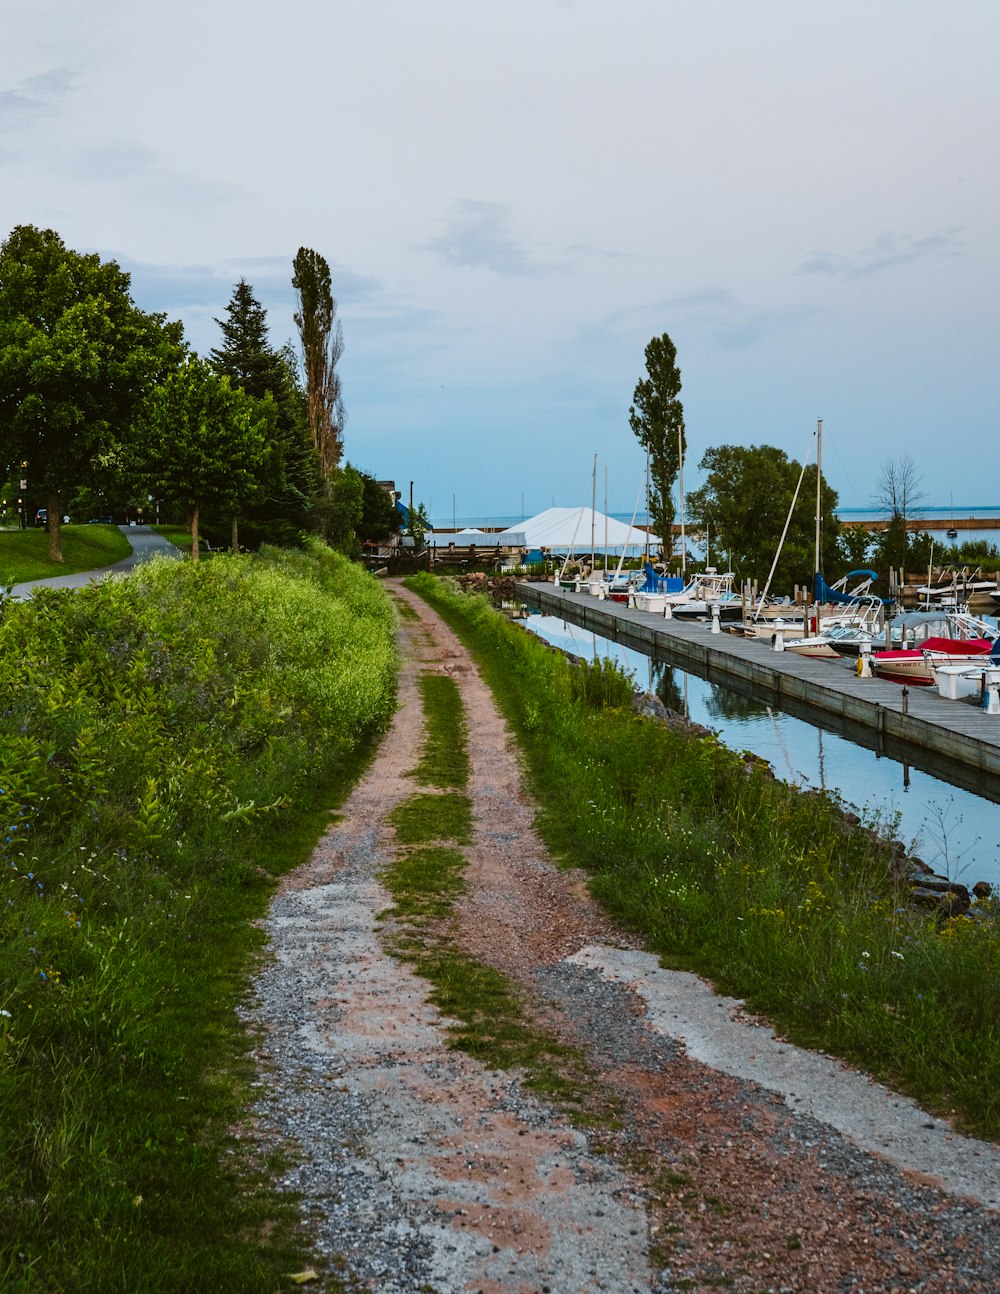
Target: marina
<point>732,680</point>
<point>941,813</point>
<point>919,724</point>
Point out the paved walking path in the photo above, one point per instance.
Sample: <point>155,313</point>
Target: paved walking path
<point>146,543</point>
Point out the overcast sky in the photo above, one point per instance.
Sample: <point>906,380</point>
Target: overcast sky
<point>514,199</point>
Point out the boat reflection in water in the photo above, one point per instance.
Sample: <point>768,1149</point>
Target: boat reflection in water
<point>954,829</point>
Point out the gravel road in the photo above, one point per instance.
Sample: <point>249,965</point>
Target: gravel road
<point>728,1158</point>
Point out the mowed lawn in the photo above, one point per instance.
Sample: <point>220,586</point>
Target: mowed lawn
<point>24,553</point>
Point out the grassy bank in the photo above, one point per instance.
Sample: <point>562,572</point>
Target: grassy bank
<point>24,553</point>
<point>169,744</point>
<point>767,890</point>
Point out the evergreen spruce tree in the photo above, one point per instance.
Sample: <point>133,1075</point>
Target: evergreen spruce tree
<point>248,359</point>
<point>246,356</point>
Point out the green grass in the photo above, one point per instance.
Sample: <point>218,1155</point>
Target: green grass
<point>444,758</point>
<point>180,537</point>
<point>169,745</point>
<point>424,818</point>
<point>24,553</point>
<point>769,891</point>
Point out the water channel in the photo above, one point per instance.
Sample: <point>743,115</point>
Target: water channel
<point>954,830</point>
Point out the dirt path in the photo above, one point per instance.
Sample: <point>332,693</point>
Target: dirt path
<point>423,1170</point>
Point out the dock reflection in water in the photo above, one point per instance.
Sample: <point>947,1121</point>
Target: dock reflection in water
<point>953,829</point>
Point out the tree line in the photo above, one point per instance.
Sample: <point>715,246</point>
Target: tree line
<point>104,404</point>
<point>741,508</point>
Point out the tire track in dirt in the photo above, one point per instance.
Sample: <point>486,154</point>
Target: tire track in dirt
<point>420,1166</point>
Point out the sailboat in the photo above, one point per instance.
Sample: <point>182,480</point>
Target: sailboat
<point>844,613</point>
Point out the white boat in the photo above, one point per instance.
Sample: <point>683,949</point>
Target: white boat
<point>961,586</point>
<point>704,593</point>
<point>934,640</point>
<point>843,634</point>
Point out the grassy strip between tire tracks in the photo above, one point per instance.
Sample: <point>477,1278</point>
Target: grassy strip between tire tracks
<point>425,879</point>
<point>771,892</point>
<point>169,745</point>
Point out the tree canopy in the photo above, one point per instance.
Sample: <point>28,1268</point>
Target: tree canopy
<point>204,441</point>
<point>744,502</point>
<point>77,358</point>
<point>657,418</point>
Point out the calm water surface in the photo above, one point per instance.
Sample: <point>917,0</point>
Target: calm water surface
<point>956,832</point>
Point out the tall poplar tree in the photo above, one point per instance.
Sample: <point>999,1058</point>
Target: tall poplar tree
<point>657,418</point>
<point>322,346</point>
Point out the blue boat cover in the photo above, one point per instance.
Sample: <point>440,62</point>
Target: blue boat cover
<point>824,593</point>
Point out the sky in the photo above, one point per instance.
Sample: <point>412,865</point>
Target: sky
<point>514,199</point>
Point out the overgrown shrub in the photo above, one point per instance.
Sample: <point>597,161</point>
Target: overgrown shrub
<point>159,736</point>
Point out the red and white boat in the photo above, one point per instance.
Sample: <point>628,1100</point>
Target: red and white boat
<point>962,639</point>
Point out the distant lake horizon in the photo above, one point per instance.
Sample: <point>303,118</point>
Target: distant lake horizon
<point>954,512</point>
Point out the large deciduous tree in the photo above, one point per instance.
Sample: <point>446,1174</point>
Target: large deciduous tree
<point>204,441</point>
<point>77,358</point>
<point>322,346</point>
<point>248,359</point>
<point>657,418</point>
<point>745,502</point>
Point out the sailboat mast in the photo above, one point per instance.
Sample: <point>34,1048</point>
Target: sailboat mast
<point>680,491</point>
<point>647,503</point>
<point>605,517</point>
<point>593,513</point>
<point>819,486</point>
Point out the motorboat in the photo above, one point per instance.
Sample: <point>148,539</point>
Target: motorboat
<point>705,593</point>
<point>844,633</point>
<point>848,601</point>
<point>932,639</point>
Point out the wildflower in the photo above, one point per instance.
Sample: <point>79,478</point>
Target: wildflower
<point>6,1013</point>
<point>893,953</point>
<point>866,954</point>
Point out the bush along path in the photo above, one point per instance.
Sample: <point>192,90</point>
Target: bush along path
<point>484,1085</point>
<point>169,744</point>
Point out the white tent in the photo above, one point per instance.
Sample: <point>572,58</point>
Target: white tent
<point>481,538</point>
<point>572,529</point>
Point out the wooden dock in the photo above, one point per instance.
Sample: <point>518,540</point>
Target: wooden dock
<point>954,740</point>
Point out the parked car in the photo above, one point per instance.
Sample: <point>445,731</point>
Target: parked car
<point>101,521</point>
<point>41,517</point>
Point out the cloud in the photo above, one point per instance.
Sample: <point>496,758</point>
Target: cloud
<point>28,104</point>
<point>479,236</point>
<point>717,314</point>
<point>116,159</point>
<point>199,293</point>
<point>887,252</point>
